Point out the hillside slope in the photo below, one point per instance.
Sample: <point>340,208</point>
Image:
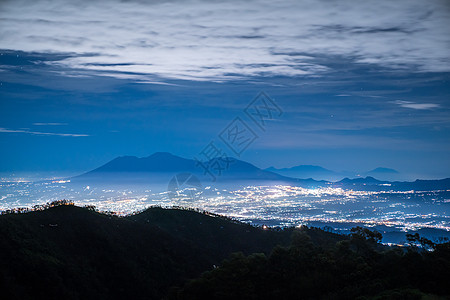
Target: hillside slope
<point>68,252</point>
<point>71,252</point>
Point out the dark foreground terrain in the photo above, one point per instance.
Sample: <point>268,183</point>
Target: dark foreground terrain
<point>69,252</point>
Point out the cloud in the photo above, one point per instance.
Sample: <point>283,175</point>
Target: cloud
<point>41,133</point>
<point>219,41</point>
<point>49,124</point>
<point>408,104</point>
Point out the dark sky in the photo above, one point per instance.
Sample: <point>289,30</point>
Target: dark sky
<point>360,85</point>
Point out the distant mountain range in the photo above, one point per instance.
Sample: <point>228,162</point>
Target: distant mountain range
<point>160,167</point>
<point>320,173</point>
<point>371,184</point>
<point>157,162</point>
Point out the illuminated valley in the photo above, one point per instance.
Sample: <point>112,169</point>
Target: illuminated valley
<point>336,209</point>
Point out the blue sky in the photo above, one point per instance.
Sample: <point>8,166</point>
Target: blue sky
<point>361,85</point>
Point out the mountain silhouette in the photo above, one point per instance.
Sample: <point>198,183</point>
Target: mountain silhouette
<point>161,166</point>
<point>372,184</point>
<point>366,180</point>
<point>157,162</point>
<point>320,173</point>
<point>381,170</point>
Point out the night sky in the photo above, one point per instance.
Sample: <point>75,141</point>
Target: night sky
<point>360,85</point>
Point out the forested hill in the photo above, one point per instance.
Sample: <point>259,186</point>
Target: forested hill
<point>69,252</point>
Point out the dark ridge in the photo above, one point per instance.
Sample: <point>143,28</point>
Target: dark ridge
<point>69,252</point>
<point>61,251</point>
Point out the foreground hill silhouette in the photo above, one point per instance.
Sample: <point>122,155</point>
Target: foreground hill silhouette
<point>69,252</point>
